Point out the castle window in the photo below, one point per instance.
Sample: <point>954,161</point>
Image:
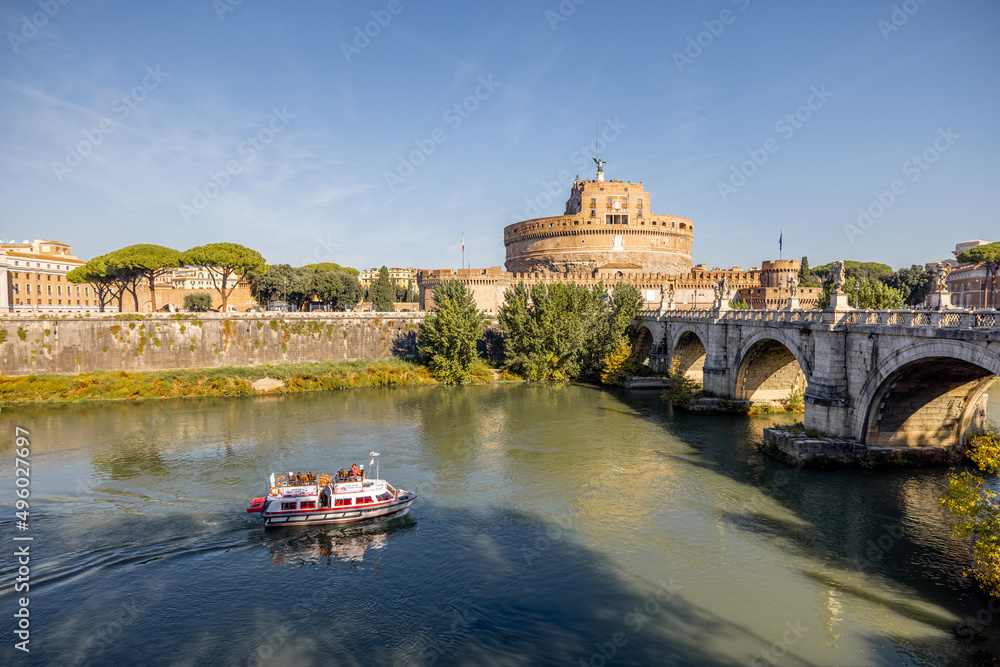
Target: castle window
<point>593,214</point>
<point>593,201</point>
<point>640,203</point>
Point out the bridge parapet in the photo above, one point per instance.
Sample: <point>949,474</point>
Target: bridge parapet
<point>939,319</point>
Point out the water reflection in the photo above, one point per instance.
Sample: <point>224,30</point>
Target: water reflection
<point>325,545</point>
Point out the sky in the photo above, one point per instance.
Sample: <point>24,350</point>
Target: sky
<point>380,132</point>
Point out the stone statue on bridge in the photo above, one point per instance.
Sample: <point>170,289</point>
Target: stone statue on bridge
<point>941,272</point>
<point>666,298</point>
<point>839,276</point>
<point>793,285</point>
<point>722,294</point>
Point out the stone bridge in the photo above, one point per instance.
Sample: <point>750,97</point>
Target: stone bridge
<point>886,379</point>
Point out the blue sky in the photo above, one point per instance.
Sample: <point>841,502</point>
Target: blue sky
<point>282,126</point>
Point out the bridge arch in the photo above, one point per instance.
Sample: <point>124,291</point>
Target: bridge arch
<point>644,340</point>
<point>688,350</point>
<point>769,368</point>
<point>927,394</point>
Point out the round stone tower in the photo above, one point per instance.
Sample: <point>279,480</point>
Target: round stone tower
<point>607,224</point>
<point>778,272</point>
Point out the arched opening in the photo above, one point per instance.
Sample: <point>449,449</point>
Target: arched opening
<point>690,356</point>
<point>769,375</point>
<point>930,402</point>
<point>643,345</point>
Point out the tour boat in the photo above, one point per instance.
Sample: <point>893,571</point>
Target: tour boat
<point>308,498</point>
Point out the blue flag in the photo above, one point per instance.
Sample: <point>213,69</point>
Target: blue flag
<point>780,234</point>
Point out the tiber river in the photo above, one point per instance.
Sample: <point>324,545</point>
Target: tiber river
<point>556,524</point>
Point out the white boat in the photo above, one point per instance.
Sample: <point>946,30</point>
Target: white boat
<point>309,498</point>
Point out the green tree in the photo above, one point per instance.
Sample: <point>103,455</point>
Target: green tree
<point>977,505</point>
<point>95,274</point>
<point>339,289</point>
<point>806,277</point>
<point>989,256</point>
<point>564,330</point>
<point>198,301</point>
<point>225,263</point>
<point>611,325</point>
<point>871,271</point>
<point>330,266</point>
<point>270,285</point>
<point>149,260</point>
<point>914,283</point>
<point>870,294</point>
<point>382,292</point>
<point>448,335</point>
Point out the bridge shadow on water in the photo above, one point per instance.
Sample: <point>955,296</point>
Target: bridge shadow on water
<point>849,525</point>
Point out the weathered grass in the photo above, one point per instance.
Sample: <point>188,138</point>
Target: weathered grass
<point>225,381</point>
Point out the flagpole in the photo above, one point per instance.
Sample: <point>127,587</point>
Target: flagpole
<point>463,250</point>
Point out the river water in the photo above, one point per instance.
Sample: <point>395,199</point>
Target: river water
<point>556,524</point>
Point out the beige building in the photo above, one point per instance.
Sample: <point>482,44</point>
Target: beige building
<point>404,278</point>
<point>970,284</point>
<point>33,278</point>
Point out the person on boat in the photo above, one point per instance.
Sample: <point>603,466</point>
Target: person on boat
<point>354,471</point>
<point>326,496</point>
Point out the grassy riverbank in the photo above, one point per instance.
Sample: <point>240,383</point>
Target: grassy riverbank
<point>226,381</point>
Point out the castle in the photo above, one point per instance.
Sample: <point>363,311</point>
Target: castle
<point>608,233</point>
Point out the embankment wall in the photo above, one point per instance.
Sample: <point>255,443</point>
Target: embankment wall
<point>80,344</point>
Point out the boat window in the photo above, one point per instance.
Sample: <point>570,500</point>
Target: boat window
<point>391,490</point>
<point>287,506</point>
<point>340,502</point>
<point>308,505</point>
<point>364,499</point>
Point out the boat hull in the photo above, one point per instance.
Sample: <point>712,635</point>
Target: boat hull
<point>332,516</point>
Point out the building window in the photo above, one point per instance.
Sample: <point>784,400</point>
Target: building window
<point>86,291</point>
<point>593,201</point>
<point>50,290</point>
<point>27,289</point>
<point>593,214</point>
<point>640,203</point>
<point>59,289</point>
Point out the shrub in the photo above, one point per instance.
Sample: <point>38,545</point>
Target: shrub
<point>682,388</point>
<point>199,301</point>
<point>976,505</point>
<point>618,364</point>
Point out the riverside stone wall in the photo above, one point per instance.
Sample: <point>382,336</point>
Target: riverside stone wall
<point>79,344</point>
